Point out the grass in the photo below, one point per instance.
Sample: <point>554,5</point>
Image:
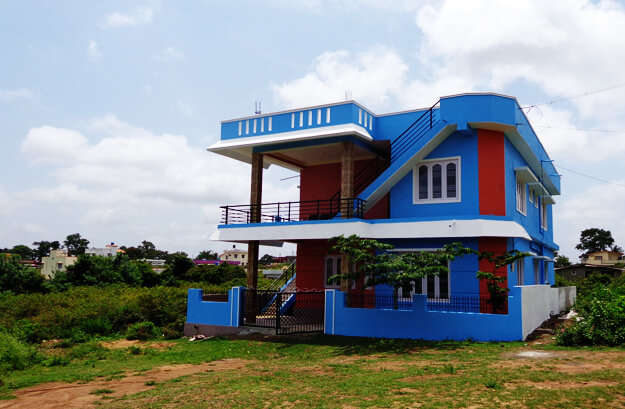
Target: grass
<point>335,372</point>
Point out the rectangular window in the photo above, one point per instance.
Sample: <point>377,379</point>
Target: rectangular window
<point>519,267</point>
<point>543,216</point>
<point>434,286</point>
<point>531,195</point>
<point>521,199</point>
<point>437,181</point>
<point>536,271</point>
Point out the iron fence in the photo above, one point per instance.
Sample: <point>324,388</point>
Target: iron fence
<point>455,303</point>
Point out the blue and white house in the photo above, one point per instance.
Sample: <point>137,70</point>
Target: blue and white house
<point>469,169</point>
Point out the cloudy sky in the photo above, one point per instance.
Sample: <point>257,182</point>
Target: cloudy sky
<point>106,108</point>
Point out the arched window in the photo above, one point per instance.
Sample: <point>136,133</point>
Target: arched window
<point>437,181</point>
<point>451,180</point>
<point>423,182</point>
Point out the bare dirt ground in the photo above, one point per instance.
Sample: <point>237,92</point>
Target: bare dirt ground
<point>58,395</point>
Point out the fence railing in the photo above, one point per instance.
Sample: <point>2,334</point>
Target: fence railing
<point>455,303</point>
<point>415,131</point>
<point>284,278</point>
<point>220,297</point>
<point>293,211</point>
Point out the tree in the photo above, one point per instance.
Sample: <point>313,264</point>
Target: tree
<point>25,252</point>
<point>370,258</point>
<point>75,244</point>
<point>207,255</point>
<point>594,239</point>
<point>562,261</point>
<point>266,259</point>
<point>43,248</point>
<point>18,278</point>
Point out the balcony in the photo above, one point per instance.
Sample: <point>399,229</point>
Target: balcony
<point>285,212</point>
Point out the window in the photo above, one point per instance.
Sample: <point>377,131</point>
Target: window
<point>434,286</point>
<point>437,181</point>
<point>521,201</point>
<point>537,271</point>
<point>598,258</point>
<point>543,216</point>
<point>59,266</point>
<point>531,196</point>
<point>332,267</point>
<point>519,266</point>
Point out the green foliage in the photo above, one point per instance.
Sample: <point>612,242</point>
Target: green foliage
<point>18,278</point>
<point>143,331</point>
<point>207,255</point>
<point>43,248</point>
<point>80,312</point>
<point>602,323</point>
<point>14,354</point>
<point>75,244</point>
<point>594,239</point>
<point>495,280</point>
<point>562,261</point>
<point>25,252</point>
<point>214,274</point>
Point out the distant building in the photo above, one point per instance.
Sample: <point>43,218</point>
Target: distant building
<point>110,250</point>
<point>158,265</point>
<point>603,258</point>
<point>215,262</point>
<point>234,254</point>
<point>58,260</point>
<point>577,272</point>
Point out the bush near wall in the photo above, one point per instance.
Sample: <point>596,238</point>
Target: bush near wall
<point>81,312</point>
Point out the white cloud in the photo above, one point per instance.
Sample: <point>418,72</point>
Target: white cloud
<point>599,206</point>
<point>10,95</point>
<point>169,54</point>
<point>373,76</point>
<point>93,51</point>
<point>119,182</point>
<point>140,15</point>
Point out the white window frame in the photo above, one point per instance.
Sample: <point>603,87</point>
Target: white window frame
<point>519,267</point>
<point>544,213</point>
<point>443,162</point>
<point>531,196</point>
<point>521,196</point>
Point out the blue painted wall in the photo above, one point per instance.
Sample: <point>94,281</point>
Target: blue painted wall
<point>213,312</point>
<point>419,323</point>
<point>339,114</point>
<point>463,144</point>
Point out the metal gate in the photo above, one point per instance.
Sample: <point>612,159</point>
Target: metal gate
<point>287,312</point>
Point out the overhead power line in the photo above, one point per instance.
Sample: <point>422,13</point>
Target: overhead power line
<point>591,177</point>
<point>567,98</point>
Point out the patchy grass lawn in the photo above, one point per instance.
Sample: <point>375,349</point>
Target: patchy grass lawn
<point>322,372</point>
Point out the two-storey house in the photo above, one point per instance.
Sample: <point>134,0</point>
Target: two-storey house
<point>470,169</point>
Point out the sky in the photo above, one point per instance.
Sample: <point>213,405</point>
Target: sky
<point>106,108</point>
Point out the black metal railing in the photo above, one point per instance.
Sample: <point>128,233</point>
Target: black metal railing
<point>370,300</point>
<point>293,211</point>
<point>284,278</point>
<point>415,132</point>
<point>220,297</point>
<point>455,303</point>
<point>467,303</point>
<point>286,312</point>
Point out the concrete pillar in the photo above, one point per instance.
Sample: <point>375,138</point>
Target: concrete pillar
<point>256,194</point>
<point>347,180</point>
<point>347,206</point>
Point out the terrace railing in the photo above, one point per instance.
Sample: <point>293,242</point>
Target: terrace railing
<point>280,212</point>
<point>455,303</point>
<point>415,132</point>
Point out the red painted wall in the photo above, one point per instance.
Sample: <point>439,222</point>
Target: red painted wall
<point>491,171</point>
<point>380,210</point>
<point>320,182</point>
<point>495,245</point>
<point>310,256</point>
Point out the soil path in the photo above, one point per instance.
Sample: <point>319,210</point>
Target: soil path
<point>58,395</point>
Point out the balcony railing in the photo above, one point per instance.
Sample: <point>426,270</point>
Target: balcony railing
<point>282,212</point>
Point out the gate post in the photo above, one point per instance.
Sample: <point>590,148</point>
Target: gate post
<point>278,305</point>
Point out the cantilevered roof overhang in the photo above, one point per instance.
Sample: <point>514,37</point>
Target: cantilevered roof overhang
<point>278,145</point>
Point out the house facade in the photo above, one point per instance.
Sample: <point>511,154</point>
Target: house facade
<point>234,256</point>
<point>603,258</point>
<point>58,260</point>
<point>470,169</point>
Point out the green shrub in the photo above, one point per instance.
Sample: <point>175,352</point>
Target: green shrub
<point>15,354</point>
<point>602,320</point>
<point>143,331</point>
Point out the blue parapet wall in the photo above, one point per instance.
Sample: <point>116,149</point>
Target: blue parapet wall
<point>419,323</point>
<point>226,313</point>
